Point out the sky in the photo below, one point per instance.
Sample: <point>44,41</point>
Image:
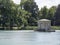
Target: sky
<point>42,3</point>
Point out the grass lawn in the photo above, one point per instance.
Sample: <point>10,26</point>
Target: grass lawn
<point>55,27</point>
<point>35,27</point>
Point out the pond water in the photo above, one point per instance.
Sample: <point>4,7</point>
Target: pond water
<point>29,38</point>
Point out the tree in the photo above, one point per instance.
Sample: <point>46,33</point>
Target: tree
<point>51,14</point>
<point>7,12</point>
<point>31,7</point>
<point>22,18</point>
<point>57,16</point>
<point>22,3</point>
<point>44,12</point>
<point>2,9</point>
<point>47,13</point>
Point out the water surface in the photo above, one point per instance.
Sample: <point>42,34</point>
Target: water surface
<point>29,38</point>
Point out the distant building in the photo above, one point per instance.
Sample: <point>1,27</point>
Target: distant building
<point>44,25</point>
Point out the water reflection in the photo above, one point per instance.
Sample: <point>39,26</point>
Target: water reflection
<point>29,38</point>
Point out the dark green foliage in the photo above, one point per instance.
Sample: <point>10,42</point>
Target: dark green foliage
<point>4,7</point>
<point>31,7</point>
<point>51,14</point>
<point>44,12</point>
<point>57,16</point>
<point>25,14</point>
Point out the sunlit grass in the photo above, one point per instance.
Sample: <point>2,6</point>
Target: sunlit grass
<point>56,27</point>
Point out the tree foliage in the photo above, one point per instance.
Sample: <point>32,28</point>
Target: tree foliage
<point>57,16</point>
<point>25,14</point>
<point>30,6</point>
<point>44,12</point>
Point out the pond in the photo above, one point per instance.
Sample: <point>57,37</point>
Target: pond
<point>29,38</point>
